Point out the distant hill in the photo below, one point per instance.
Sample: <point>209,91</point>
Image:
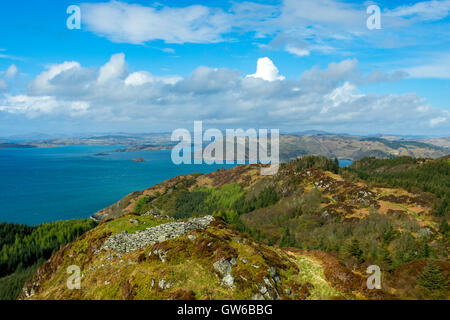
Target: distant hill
<point>355,148</point>
<point>8,145</point>
<point>291,145</point>
<point>440,142</point>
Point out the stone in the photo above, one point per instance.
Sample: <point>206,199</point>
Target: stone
<point>161,254</point>
<point>162,284</point>
<point>274,275</point>
<point>125,242</point>
<point>228,281</point>
<point>223,267</point>
<point>258,296</point>
<point>134,221</point>
<point>262,289</point>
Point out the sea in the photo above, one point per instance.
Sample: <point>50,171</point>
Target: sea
<point>41,185</point>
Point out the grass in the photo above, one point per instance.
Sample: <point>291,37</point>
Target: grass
<point>187,265</point>
<point>312,272</point>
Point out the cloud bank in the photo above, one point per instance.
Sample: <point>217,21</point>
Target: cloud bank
<point>327,99</point>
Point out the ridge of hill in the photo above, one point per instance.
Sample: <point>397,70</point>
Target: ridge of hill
<point>314,227</point>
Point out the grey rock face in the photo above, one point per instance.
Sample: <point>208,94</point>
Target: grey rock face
<point>224,267</point>
<point>125,242</point>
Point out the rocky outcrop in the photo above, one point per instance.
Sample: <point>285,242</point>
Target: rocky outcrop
<point>125,242</point>
<point>224,267</point>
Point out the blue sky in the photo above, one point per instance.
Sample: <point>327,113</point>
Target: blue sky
<point>143,66</point>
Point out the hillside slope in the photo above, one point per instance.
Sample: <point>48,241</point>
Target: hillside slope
<point>314,229</point>
<point>200,258</point>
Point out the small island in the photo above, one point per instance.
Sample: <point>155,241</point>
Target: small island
<point>139,160</point>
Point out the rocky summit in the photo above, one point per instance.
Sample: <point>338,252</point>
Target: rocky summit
<point>125,242</point>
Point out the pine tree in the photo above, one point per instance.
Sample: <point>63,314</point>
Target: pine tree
<point>354,250</point>
<point>444,227</point>
<point>386,258</point>
<point>336,165</point>
<point>424,250</point>
<point>286,239</point>
<point>432,281</point>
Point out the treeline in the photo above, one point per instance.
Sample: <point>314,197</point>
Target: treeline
<point>318,162</point>
<point>431,176</point>
<point>23,247</point>
<point>228,202</point>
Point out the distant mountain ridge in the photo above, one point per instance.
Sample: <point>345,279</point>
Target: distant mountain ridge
<point>291,145</point>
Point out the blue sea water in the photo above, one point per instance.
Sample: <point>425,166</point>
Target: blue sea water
<point>49,184</point>
<point>345,162</point>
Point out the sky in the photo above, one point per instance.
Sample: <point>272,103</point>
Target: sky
<point>293,65</point>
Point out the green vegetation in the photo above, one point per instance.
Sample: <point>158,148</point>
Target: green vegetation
<point>143,205</point>
<point>432,282</point>
<point>24,248</point>
<point>318,162</point>
<point>267,197</point>
<point>410,174</point>
<point>11,285</point>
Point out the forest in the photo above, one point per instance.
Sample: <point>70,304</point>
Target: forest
<point>24,248</point>
<point>408,173</point>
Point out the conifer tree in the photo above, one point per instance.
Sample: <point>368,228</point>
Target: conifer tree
<point>432,282</point>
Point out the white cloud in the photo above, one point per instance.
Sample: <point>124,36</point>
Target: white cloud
<point>140,78</point>
<point>438,68</point>
<point>383,76</point>
<point>333,12</point>
<point>425,10</point>
<point>42,83</point>
<point>33,107</point>
<point>133,23</point>
<point>266,70</point>
<point>435,121</point>
<point>11,72</point>
<point>326,99</point>
<point>341,95</point>
<point>297,51</point>
<point>3,85</point>
<point>113,69</point>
